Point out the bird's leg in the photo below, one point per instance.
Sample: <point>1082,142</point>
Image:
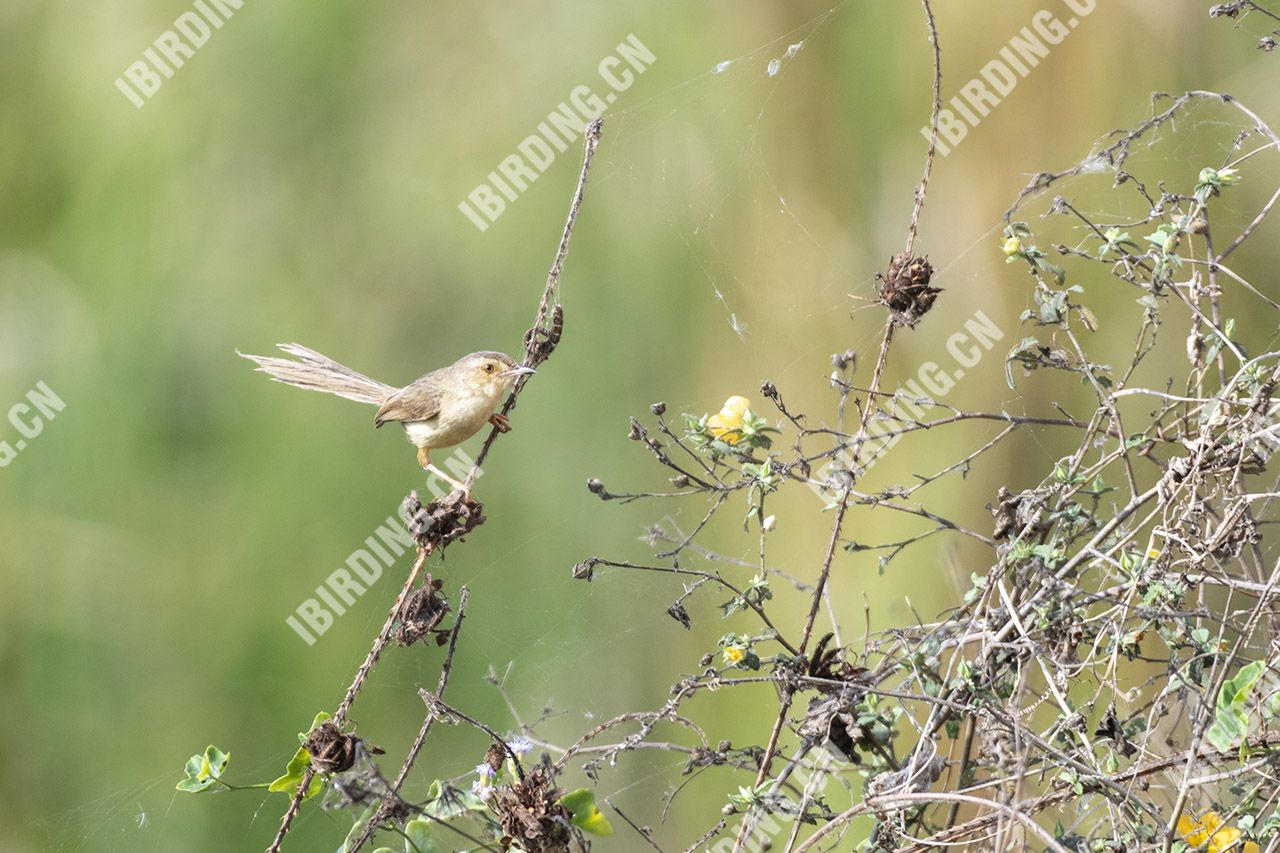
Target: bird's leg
<point>424,459</point>
<point>457,486</point>
<point>500,422</point>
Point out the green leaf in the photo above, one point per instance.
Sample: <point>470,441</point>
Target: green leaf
<point>292,777</point>
<point>1213,180</point>
<point>1225,732</point>
<point>586,816</point>
<point>315,724</point>
<point>1271,706</point>
<point>419,837</point>
<point>444,802</point>
<point>203,770</point>
<point>216,760</point>
<point>1237,689</point>
<point>1231,725</point>
<point>298,765</point>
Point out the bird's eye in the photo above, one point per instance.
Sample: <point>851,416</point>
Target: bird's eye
<point>488,368</point>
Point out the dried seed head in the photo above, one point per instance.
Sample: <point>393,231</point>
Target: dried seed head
<point>333,750</point>
<point>595,487</point>
<point>530,813</point>
<point>441,521</point>
<point>906,291</point>
<point>422,614</point>
<point>494,756</point>
<point>585,570</point>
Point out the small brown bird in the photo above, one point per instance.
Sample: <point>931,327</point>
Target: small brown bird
<point>441,409</point>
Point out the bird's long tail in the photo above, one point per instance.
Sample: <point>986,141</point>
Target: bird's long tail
<point>316,372</point>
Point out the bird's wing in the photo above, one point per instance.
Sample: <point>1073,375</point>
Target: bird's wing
<point>417,402</point>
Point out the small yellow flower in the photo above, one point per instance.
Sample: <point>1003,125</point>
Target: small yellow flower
<point>1153,553</point>
<point>727,423</point>
<point>1209,829</point>
<point>733,655</point>
<point>1012,246</point>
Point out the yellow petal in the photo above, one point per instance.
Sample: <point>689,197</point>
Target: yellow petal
<point>722,429</point>
<point>725,423</point>
<point>1012,246</point>
<point>1192,831</point>
<point>1224,839</point>
<point>1250,847</point>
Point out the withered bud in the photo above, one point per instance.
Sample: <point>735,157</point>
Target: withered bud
<point>494,757</point>
<point>636,432</point>
<point>843,361</point>
<point>768,389</point>
<point>331,749</point>
<point>659,408</point>
<point>906,290</point>
<point>585,570</point>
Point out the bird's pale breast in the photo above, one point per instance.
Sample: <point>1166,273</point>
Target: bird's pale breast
<point>461,416</point>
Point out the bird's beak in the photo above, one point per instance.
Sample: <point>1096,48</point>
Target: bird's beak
<point>519,370</point>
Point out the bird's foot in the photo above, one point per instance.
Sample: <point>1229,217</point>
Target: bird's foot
<point>500,422</point>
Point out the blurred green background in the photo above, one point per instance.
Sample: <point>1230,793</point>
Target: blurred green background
<point>298,180</point>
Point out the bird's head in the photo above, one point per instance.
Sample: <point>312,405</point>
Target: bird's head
<point>490,373</point>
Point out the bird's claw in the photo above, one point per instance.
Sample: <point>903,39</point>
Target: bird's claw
<point>500,422</point>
